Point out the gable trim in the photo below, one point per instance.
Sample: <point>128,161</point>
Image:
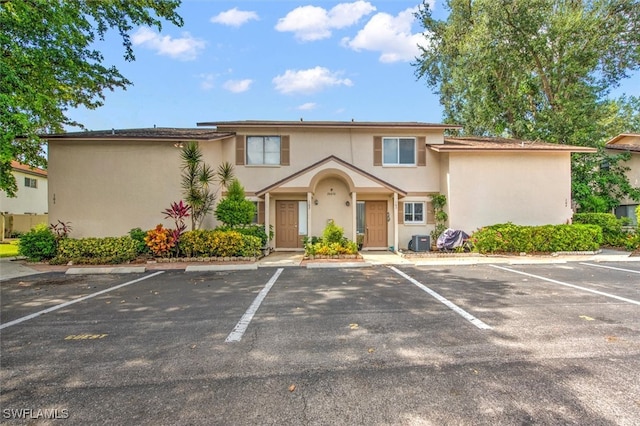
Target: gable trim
<point>326,160</point>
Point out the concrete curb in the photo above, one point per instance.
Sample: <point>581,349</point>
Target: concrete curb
<point>317,265</point>
<point>108,270</point>
<point>218,268</point>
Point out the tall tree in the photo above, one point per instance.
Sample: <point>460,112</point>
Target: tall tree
<point>48,64</point>
<point>538,70</point>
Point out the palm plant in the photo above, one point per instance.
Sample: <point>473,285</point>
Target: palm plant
<point>197,181</point>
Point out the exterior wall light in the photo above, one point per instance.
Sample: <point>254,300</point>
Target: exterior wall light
<point>315,202</point>
<point>348,203</point>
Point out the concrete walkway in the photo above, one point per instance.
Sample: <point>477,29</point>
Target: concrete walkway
<point>12,268</point>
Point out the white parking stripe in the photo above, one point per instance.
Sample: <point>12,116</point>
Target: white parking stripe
<point>242,325</point>
<point>611,267</point>
<point>71,302</point>
<point>464,314</point>
<point>601,293</point>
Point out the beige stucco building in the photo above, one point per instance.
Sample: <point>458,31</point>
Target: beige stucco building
<point>628,142</point>
<point>372,178</point>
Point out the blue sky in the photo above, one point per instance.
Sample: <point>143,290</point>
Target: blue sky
<point>274,60</point>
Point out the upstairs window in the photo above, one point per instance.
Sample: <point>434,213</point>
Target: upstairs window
<point>399,151</point>
<point>30,182</point>
<point>263,150</point>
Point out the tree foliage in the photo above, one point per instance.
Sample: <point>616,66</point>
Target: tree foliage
<point>49,64</point>
<point>540,70</point>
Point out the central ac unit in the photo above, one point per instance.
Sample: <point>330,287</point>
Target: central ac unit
<point>420,243</point>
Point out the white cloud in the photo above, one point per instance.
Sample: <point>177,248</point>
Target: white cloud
<point>390,35</point>
<point>207,81</point>
<point>234,17</point>
<point>185,48</point>
<point>307,106</point>
<point>237,86</point>
<point>310,23</point>
<point>308,81</point>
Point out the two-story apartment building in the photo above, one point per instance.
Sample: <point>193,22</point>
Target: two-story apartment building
<point>371,178</point>
<point>628,142</point>
<point>29,207</point>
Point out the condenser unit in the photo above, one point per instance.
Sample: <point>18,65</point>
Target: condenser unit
<point>420,243</point>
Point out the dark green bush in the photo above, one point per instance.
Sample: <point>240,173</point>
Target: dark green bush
<point>137,234</point>
<point>97,250</point>
<point>38,244</point>
<point>612,232</point>
<point>235,209</point>
<point>510,238</point>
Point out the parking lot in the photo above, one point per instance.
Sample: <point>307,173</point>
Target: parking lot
<point>404,344</point>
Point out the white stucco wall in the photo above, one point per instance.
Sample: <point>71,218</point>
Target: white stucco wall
<point>28,200</point>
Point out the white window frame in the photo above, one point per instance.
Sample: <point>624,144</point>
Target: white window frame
<point>397,139</point>
<point>412,204</point>
<point>252,161</point>
<point>30,182</point>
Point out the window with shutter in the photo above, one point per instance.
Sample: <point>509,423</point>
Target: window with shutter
<point>422,151</point>
<point>240,143</point>
<point>377,151</point>
<point>284,150</point>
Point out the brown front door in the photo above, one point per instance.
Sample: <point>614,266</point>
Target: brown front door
<point>287,224</point>
<point>375,224</point>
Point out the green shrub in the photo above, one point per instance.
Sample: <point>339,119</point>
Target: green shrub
<point>332,243</point>
<point>332,233</point>
<point>510,238</point>
<point>253,230</point>
<point>612,232</point>
<point>235,209</point>
<point>97,250</point>
<point>137,235</point>
<point>38,244</point>
<point>217,243</point>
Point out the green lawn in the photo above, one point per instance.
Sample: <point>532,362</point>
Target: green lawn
<point>9,250</point>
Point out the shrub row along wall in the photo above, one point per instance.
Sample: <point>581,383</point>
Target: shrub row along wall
<point>510,238</point>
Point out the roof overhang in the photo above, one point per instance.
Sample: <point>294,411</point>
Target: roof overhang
<point>627,142</point>
<point>487,144</point>
<point>149,134</point>
<point>251,124</point>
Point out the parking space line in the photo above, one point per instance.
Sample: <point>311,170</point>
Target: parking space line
<point>611,267</point>
<point>242,325</point>
<point>71,302</point>
<point>601,293</point>
<point>464,314</point>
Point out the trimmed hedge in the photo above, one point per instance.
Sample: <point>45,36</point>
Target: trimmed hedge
<point>217,243</point>
<point>612,232</point>
<point>96,250</point>
<point>510,238</point>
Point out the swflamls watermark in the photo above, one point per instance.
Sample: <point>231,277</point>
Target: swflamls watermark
<point>35,414</point>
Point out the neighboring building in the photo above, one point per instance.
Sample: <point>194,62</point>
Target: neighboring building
<point>628,142</point>
<point>371,178</point>
<point>30,206</point>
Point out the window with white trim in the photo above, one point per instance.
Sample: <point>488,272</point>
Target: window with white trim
<point>414,212</point>
<point>30,182</point>
<point>399,151</point>
<point>263,150</point>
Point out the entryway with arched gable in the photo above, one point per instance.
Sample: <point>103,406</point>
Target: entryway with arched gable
<point>304,203</point>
